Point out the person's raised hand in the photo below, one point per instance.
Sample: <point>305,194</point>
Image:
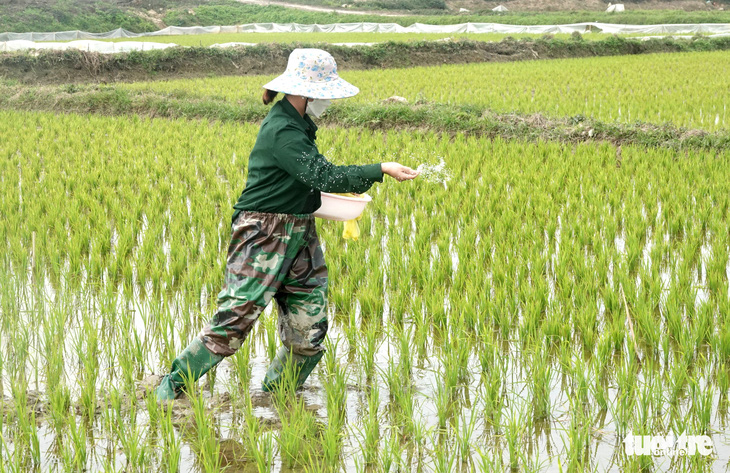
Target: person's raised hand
<point>398,171</point>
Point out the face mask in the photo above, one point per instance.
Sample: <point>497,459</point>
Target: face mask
<point>317,106</point>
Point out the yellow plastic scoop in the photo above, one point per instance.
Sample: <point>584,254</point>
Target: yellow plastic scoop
<point>352,229</point>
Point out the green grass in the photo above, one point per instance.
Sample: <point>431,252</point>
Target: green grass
<point>650,88</point>
<point>62,16</point>
<point>230,13</point>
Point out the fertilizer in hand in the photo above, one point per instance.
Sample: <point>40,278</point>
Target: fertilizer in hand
<point>435,173</point>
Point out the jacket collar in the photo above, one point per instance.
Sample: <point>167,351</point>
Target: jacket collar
<point>304,122</point>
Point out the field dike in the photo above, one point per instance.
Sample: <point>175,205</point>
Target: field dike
<point>61,67</point>
<point>386,115</point>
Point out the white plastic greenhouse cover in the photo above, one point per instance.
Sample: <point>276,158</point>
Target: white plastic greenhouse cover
<point>378,28</point>
<point>23,41</point>
<point>85,45</point>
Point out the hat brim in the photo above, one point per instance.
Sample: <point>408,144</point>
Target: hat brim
<point>333,89</point>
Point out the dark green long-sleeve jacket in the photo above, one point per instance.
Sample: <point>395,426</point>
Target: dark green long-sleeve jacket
<point>286,172</point>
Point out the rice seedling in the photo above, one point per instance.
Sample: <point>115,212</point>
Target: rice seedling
<point>171,443</point>
<point>368,343</point>
<point>540,375</point>
<point>206,438</point>
<point>464,434</point>
<point>445,457</point>
<point>261,445</point>
<point>76,456</point>
<point>514,430</point>
<point>371,425</point>
<point>242,366</point>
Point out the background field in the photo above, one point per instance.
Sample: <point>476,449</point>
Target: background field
<point>689,90</point>
<point>151,16</point>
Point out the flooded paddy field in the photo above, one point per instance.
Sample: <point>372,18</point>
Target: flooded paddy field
<point>535,311</point>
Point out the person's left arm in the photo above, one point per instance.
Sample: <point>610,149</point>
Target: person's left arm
<point>300,158</point>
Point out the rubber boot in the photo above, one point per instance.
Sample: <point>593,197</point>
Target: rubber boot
<point>191,364</point>
<point>302,364</point>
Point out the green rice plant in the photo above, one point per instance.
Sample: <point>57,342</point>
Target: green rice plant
<point>154,412</point>
<point>489,462</point>
<point>405,359</point>
<point>130,437</point>
<point>298,426</point>
<point>716,268</point>
<point>26,443</point>
<point>493,397</point>
<point>599,389</point>
<point>488,351</point>
<point>292,437</point>
<point>172,444</point>
<point>368,346</point>
<point>332,444</point>
<point>540,376</point>
<point>129,356</point>
<point>261,445</point>
<point>587,328</point>
<point>335,384</point>
<point>421,340</point>
<point>643,409</point>
<point>269,325</point>
<point>444,405</point>
<point>445,458</point>
<point>577,455</point>
<point>59,400</point>
<point>514,429</point>
<point>678,378</point>
<point>702,406</point>
<point>723,385</point>
<point>623,404</point>
<point>390,459</point>
<point>464,434</point>
<point>371,424</point>
<point>703,328</point>
<point>88,355</point>
<point>352,331</point>
<point>580,376</point>
<point>241,361</point>
<point>673,315</point>
<point>206,438</point>
<point>76,458</point>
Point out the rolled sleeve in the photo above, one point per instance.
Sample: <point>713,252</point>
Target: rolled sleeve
<point>373,171</point>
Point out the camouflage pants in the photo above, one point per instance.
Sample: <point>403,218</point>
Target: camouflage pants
<point>272,256</point>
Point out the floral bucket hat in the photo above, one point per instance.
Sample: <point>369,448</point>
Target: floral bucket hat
<point>312,73</point>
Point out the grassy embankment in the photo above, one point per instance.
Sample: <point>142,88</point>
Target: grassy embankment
<point>101,16</point>
<point>481,99</point>
<point>44,67</point>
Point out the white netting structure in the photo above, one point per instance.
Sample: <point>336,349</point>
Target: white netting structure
<point>707,28</point>
<point>85,45</point>
<point>84,41</point>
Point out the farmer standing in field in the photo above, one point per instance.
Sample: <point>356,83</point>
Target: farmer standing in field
<point>274,250</point>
